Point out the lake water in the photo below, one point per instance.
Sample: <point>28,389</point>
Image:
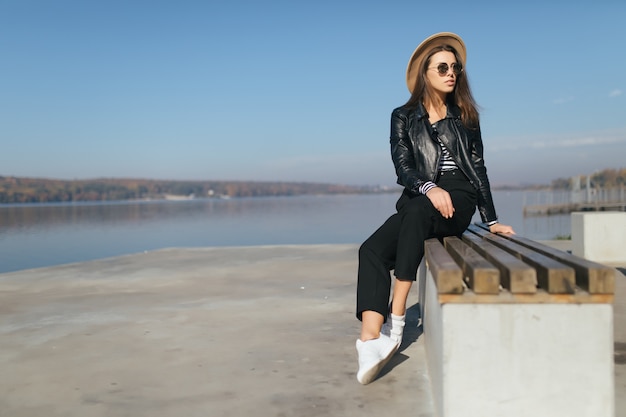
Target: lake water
<point>41,235</point>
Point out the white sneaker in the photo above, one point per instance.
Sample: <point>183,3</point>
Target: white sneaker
<point>373,356</point>
<point>394,328</point>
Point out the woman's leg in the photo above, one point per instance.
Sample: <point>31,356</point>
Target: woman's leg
<point>421,221</point>
<point>398,244</point>
<point>400,294</point>
<point>399,240</point>
<point>416,216</point>
<point>371,324</point>
<point>376,259</point>
<point>394,326</point>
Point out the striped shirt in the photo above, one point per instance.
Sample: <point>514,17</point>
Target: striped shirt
<point>446,163</point>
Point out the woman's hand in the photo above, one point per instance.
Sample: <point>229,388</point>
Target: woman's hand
<point>442,201</point>
<point>501,228</point>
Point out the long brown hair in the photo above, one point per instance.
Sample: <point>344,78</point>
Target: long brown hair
<point>461,96</point>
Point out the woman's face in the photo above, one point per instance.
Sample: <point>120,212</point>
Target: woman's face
<point>442,84</point>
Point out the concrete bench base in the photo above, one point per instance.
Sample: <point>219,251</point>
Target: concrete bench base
<point>599,236</point>
<point>518,360</point>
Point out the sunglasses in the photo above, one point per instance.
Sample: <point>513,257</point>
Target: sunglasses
<point>443,69</point>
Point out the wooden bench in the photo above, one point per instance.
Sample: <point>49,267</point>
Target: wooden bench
<point>515,328</point>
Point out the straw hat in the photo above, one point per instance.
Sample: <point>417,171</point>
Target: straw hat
<point>438,39</point>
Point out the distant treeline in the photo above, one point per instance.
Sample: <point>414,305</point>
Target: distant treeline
<point>607,178</point>
<point>41,190</point>
<point>37,190</point>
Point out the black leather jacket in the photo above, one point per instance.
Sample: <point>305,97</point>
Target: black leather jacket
<point>416,153</point>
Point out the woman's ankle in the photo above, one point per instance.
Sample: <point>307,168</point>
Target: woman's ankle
<point>371,324</point>
<point>365,336</point>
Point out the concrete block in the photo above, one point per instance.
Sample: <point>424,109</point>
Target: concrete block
<point>519,360</point>
<point>599,236</point>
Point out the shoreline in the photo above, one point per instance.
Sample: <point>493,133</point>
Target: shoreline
<point>561,244</point>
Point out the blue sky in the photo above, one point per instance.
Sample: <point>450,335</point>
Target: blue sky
<point>298,91</point>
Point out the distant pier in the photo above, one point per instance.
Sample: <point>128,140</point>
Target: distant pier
<point>551,201</point>
<point>565,208</point>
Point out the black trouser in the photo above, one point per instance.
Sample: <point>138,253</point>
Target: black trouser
<point>399,243</point>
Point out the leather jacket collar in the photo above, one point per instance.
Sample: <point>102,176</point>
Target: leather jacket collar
<point>452,112</point>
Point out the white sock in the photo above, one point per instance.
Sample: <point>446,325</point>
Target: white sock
<point>395,325</point>
<point>398,318</point>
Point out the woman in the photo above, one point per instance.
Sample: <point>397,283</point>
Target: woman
<point>437,151</point>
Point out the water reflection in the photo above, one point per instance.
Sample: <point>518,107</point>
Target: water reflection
<point>50,215</point>
<point>51,234</point>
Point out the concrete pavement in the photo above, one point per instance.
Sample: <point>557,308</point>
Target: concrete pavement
<point>263,331</point>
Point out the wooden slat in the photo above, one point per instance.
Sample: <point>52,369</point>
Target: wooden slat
<point>590,276</point>
<point>540,297</point>
<point>553,276</point>
<point>482,277</point>
<point>515,275</point>
<point>446,273</point>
